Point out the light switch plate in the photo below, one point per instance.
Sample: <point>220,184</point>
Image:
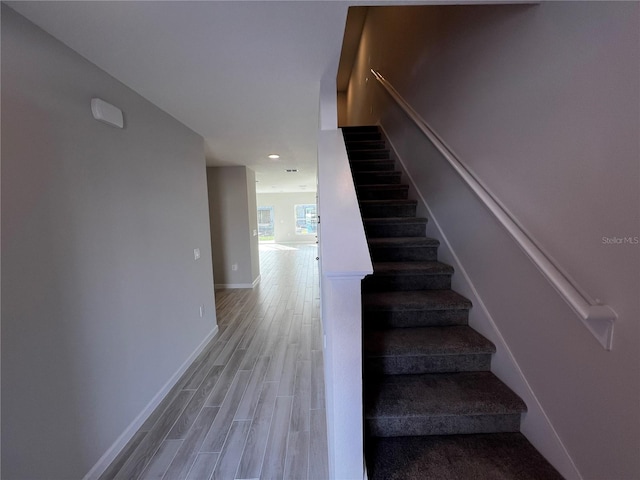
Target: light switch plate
<point>196,253</point>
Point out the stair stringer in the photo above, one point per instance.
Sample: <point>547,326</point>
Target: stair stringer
<point>535,425</point>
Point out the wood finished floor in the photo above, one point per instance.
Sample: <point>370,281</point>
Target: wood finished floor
<point>252,404</point>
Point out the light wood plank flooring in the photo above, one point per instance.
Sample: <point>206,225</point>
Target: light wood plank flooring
<point>252,404</point>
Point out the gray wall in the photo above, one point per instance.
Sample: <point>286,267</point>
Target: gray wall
<point>233,218</point>
<point>542,103</point>
<point>284,215</point>
<point>100,290</point>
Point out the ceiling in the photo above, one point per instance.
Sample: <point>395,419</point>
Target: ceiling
<point>244,75</point>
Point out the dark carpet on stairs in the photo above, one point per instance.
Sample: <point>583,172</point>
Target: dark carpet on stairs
<point>433,409</point>
<point>497,456</point>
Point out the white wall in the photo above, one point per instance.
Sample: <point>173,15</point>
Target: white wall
<point>100,290</point>
<point>542,103</point>
<point>344,261</point>
<point>253,222</point>
<point>284,214</point>
<point>234,219</point>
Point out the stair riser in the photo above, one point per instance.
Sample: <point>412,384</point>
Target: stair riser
<point>370,178</point>
<point>359,136</point>
<point>386,211</point>
<point>354,145</point>
<point>373,165</point>
<point>403,254</point>
<point>394,283</point>
<point>369,154</point>
<point>373,193</point>
<point>406,365</point>
<point>444,425</point>
<point>381,319</point>
<point>397,230</point>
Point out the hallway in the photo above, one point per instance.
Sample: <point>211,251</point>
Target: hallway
<point>252,405</point>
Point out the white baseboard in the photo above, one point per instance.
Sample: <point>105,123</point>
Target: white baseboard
<point>101,466</point>
<point>220,286</point>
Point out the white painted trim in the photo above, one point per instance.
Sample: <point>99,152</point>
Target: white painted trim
<point>344,260</point>
<point>220,286</point>
<point>112,452</point>
<point>524,389</point>
<point>343,245</point>
<point>599,319</point>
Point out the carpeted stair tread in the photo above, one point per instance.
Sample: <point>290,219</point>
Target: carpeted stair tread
<point>381,187</point>
<point>440,394</point>
<point>411,268</point>
<point>395,207</point>
<point>496,456</point>
<point>382,153</point>
<point>360,128</point>
<point>358,136</point>
<point>407,276</point>
<point>369,177</point>
<point>403,249</point>
<point>383,191</point>
<point>403,242</point>
<point>394,220</point>
<point>390,201</point>
<point>378,173</point>
<point>373,165</point>
<point>415,300</point>
<point>389,208</point>
<point>364,144</point>
<point>387,227</point>
<point>426,341</point>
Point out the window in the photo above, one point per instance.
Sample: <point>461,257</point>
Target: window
<point>265,224</point>
<point>306,219</point>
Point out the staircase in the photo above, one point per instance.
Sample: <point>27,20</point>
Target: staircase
<point>433,409</point>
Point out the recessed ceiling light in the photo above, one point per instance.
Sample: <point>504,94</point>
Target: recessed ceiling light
<point>274,156</point>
